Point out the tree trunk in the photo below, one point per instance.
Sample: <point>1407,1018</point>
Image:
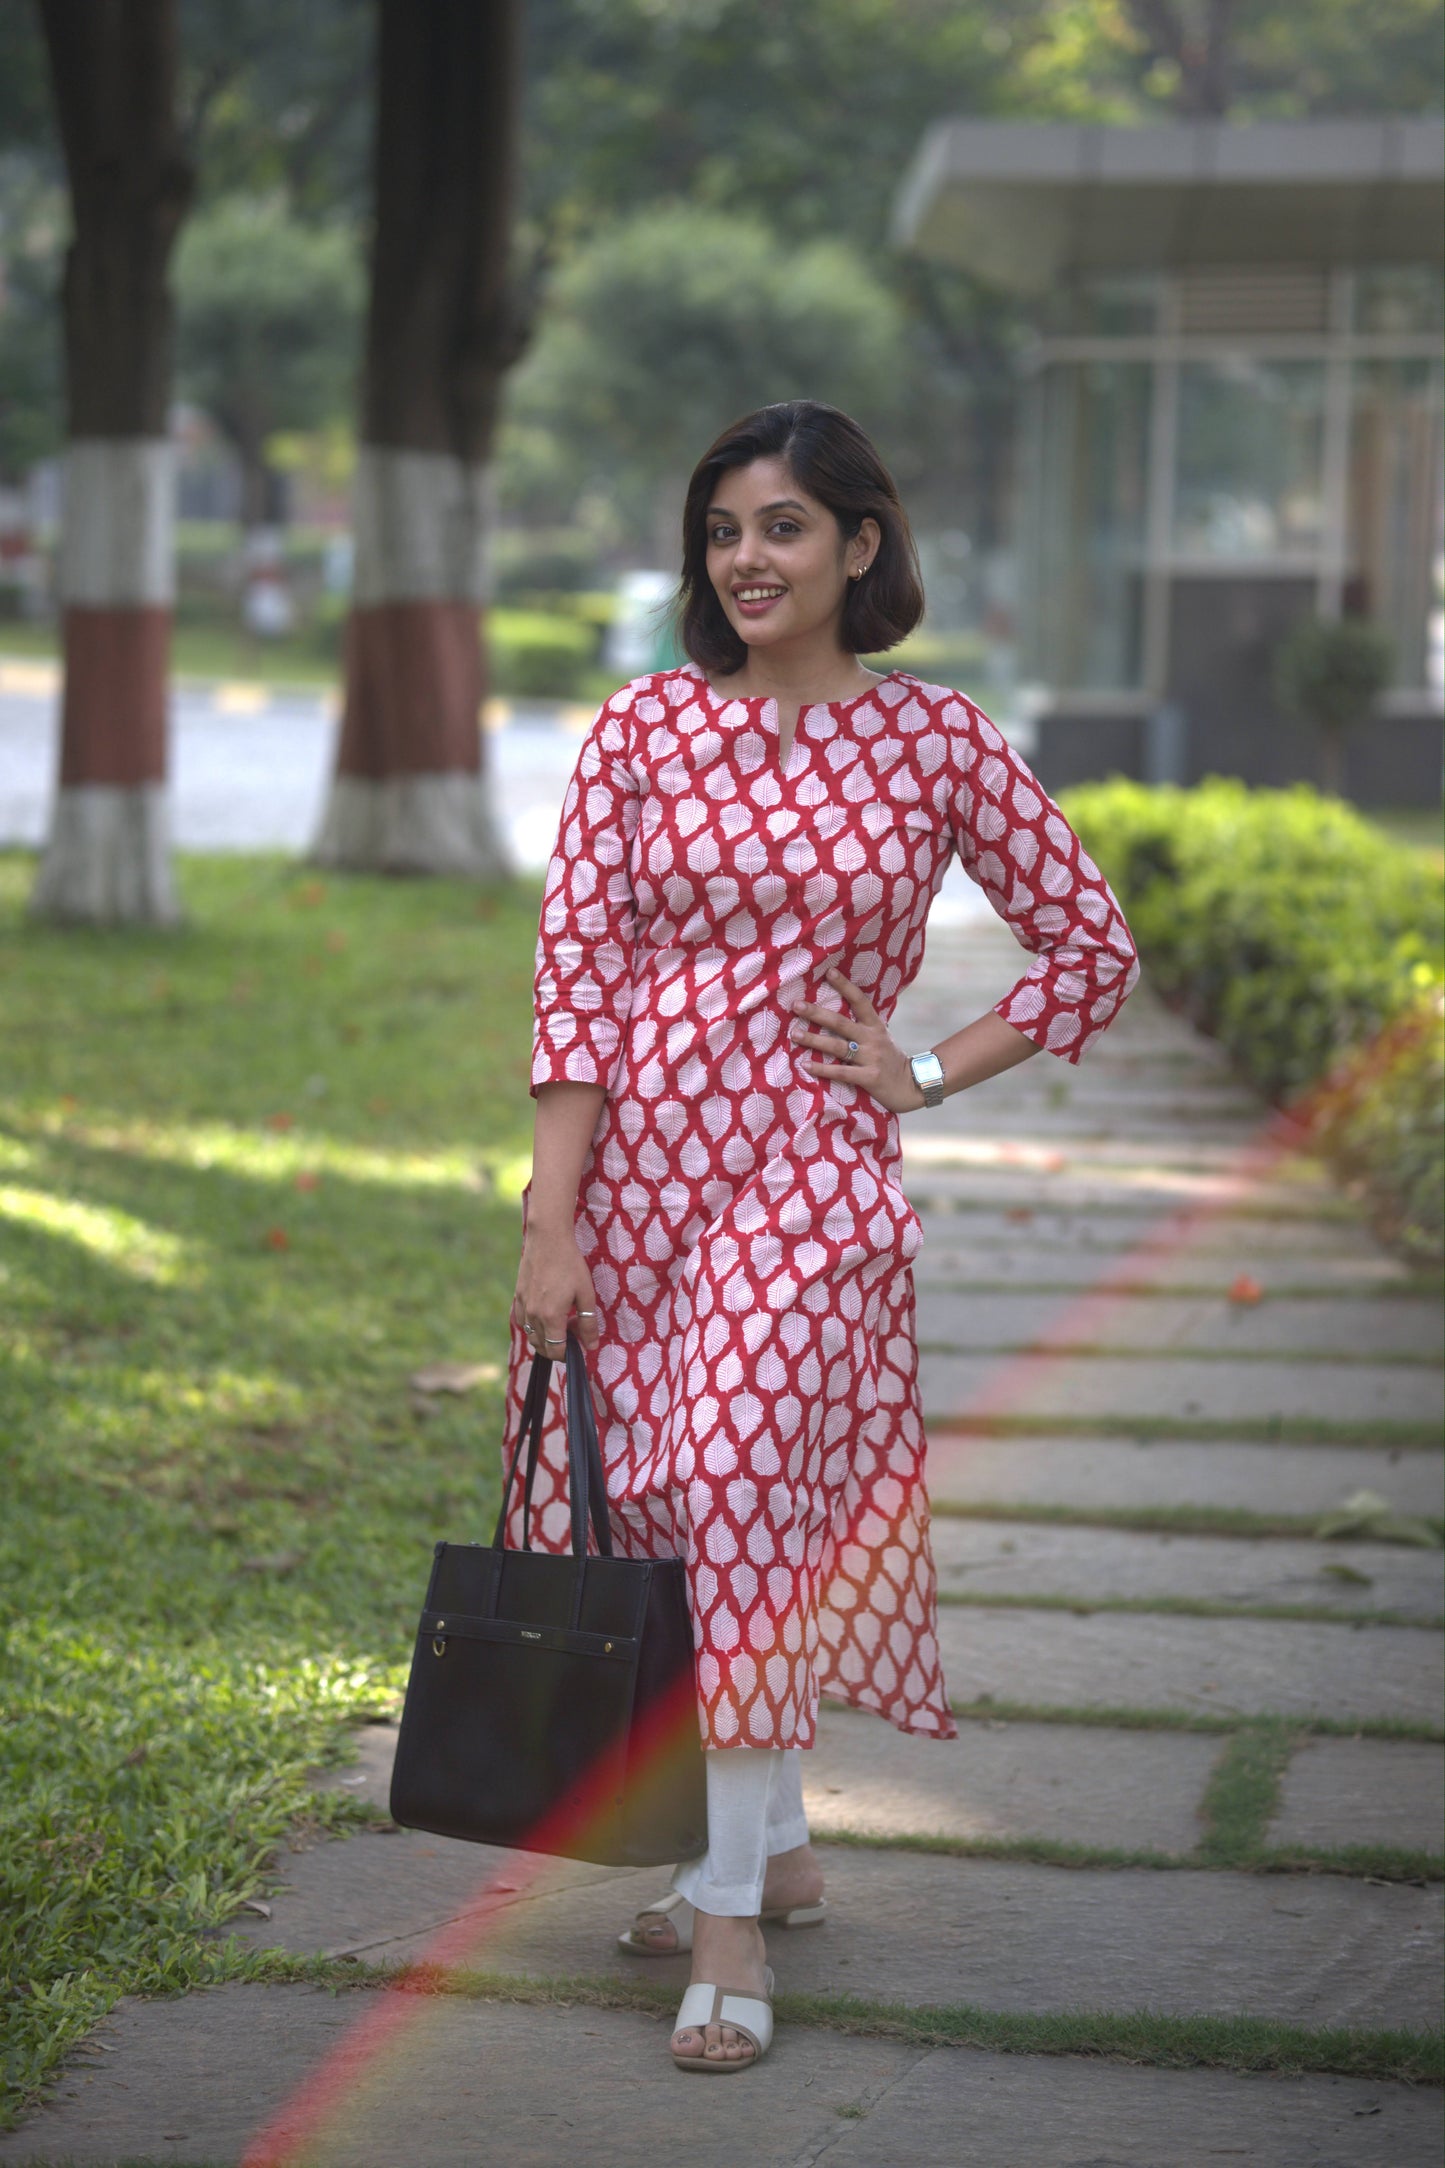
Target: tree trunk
<point>410,794</point>
<point>1332,763</point>
<point>113,72</point>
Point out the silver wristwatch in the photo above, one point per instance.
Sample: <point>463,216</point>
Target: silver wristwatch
<point>928,1076</point>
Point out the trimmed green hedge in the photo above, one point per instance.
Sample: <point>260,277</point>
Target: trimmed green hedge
<point>1290,928</point>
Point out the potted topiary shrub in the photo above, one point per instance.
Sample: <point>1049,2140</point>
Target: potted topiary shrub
<point>1331,671</point>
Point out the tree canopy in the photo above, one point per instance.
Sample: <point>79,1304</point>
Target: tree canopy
<point>269,314</point>
<point>798,120</point>
<point>669,323</point>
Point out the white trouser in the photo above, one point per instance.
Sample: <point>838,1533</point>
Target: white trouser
<point>754,1809</point>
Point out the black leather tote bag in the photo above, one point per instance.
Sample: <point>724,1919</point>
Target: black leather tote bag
<point>551,1704</point>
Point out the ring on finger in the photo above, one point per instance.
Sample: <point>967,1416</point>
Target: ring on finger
<point>852,1050</point>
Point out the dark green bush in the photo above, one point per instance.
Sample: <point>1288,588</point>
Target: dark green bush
<point>1290,928</point>
<point>539,657</point>
<point>1383,1123</point>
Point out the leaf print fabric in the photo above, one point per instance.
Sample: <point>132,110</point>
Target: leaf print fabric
<point>749,1242</point>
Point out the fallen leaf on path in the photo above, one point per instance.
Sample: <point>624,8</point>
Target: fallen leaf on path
<point>257,1905</point>
<point>1245,1288</point>
<point>453,1377</point>
<point>1334,1571</point>
<point>1367,1513</point>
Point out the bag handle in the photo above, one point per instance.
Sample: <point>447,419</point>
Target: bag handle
<point>586,1484</point>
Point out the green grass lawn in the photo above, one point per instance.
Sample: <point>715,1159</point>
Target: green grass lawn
<point>252,1175</point>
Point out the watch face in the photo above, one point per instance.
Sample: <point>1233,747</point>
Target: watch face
<point>927,1069</point>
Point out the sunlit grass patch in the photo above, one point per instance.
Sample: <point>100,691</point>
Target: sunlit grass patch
<point>120,1239</point>
<point>253,1175</point>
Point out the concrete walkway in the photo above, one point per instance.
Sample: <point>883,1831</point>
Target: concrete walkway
<point>1197,1777</point>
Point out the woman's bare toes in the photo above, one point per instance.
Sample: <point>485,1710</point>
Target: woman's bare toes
<point>724,2045</point>
<point>657,1932</point>
<point>687,2043</point>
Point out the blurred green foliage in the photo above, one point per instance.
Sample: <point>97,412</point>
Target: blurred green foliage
<point>665,326</point>
<point>1331,671</point>
<point>797,120</point>
<point>1289,927</point>
<point>269,310</point>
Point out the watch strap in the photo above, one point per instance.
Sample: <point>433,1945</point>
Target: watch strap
<point>928,1076</point>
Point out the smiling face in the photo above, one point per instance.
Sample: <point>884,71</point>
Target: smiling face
<point>777,558</point>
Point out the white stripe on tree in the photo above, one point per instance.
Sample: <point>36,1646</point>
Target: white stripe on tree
<point>421,521</point>
<point>411,824</point>
<point>107,858</point>
<point>117,535</point>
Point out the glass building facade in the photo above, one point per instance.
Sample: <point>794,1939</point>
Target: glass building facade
<point>1190,436</point>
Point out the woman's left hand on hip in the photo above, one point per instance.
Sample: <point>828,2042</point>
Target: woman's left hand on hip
<point>876,1061</point>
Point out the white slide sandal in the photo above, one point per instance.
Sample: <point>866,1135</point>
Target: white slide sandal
<point>675,1907</point>
<point>750,2015</point>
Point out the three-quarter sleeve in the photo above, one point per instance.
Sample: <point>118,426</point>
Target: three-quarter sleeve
<point>1016,844</point>
<point>585,943</point>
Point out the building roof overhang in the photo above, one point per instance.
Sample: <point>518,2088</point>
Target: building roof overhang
<point>1023,203</point>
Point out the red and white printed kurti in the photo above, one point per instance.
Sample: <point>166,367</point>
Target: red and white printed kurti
<point>748,1239</point>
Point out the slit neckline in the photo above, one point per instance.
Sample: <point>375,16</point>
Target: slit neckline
<point>782,763</point>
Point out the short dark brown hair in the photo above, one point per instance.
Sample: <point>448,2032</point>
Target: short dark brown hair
<point>836,462</point>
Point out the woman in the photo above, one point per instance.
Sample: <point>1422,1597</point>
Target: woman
<point>743,872</point>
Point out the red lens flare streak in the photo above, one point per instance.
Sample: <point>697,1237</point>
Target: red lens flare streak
<point>328,2089</point>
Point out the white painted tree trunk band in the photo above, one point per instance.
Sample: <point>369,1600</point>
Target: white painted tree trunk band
<point>117,537</point>
<point>421,521</point>
<point>106,859</point>
<point>409,793</point>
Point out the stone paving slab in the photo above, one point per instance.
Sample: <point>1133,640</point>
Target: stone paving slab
<point>1085,1785</point>
<point>1075,1785</point>
<point>1150,1190</point>
<point>1216,1240</point>
<point>1094,2115</point>
<point>1009,1936</point>
<point>1031,1558</point>
<point>1178,1388</point>
<point>360,1897</point>
<point>956,1266</point>
<point>1363,1791</point>
<point>1223,1666</point>
<point>920,1928</point>
<point>458,2083</point>
<point>1378,1325</point>
<point>1110,1474</point>
<point>459,2086</point>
